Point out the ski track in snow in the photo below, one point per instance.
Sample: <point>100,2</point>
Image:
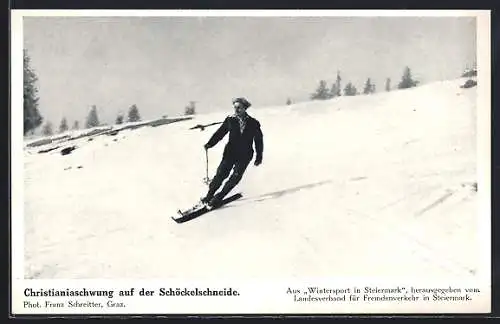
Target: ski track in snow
<point>353,186</point>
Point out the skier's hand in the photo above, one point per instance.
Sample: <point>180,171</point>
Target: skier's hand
<point>258,161</point>
<point>205,147</point>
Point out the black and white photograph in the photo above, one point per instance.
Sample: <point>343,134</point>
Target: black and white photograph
<point>251,147</point>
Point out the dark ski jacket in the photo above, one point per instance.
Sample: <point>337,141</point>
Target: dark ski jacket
<point>239,145</point>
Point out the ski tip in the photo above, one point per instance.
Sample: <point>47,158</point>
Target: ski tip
<point>236,195</point>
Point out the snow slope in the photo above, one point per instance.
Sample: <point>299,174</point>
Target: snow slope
<point>381,184</point>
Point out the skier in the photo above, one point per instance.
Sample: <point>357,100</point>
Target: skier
<point>243,131</point>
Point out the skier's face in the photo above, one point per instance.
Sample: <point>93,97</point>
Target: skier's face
<point>238,108</point>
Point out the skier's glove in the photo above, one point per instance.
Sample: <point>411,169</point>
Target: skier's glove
<point>258,160</point>
<point>206,147</point>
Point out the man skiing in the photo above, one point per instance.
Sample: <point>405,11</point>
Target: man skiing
<point>243,131</point>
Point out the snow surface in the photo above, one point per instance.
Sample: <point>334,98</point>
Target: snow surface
<point>380,184</point>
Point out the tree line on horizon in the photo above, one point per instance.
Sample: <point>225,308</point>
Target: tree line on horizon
<point>323,92</point>
<point>33,119</point>
<point>91,121</point>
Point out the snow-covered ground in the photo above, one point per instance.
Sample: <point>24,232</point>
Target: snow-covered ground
<point>381,184</point>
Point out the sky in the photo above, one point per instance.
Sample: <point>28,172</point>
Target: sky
<point>161,64</point>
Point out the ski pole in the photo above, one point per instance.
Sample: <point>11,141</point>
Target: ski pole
<point>207,180</point>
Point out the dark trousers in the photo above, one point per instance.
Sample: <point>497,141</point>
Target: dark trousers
<point>238,165</point>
